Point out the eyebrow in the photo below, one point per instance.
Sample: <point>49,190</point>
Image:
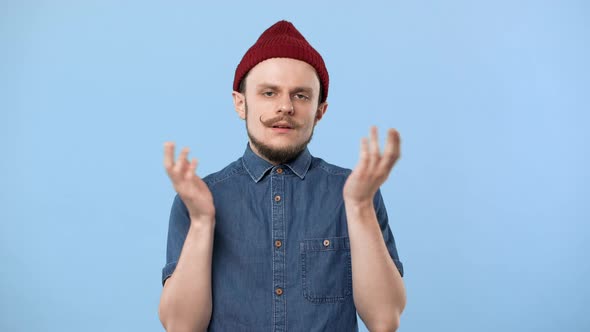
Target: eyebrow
<point>276,87</point>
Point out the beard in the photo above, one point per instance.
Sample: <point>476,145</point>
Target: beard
<point>278,155</point>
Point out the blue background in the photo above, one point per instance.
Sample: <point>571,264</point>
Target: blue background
<point>489,202</point>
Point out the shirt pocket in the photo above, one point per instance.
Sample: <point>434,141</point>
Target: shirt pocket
<point>326,269</point>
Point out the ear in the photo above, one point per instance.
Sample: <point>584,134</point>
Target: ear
<point>319,114</point>
<point>239,104</point>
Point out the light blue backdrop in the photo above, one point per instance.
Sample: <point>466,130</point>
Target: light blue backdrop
<point>489,203</point>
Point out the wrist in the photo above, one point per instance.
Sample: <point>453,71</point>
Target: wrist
<point>202,221</point>
<point>358,204</point>
<point>356,207</point>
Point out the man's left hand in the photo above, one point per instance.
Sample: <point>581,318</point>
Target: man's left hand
<point>372,169</point>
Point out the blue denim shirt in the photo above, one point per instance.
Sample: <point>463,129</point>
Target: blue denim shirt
<point>281,252</point>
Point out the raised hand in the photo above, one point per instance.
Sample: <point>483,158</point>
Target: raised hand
<point>190,187</point>
<point>372,169</point>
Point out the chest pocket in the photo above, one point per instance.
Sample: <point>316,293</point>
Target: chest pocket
<point>326,269</point>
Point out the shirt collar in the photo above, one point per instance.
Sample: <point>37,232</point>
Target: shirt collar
<point>258,167</point>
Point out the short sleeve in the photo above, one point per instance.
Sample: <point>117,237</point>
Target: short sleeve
<point>177,230</point>
<point>383,220</point>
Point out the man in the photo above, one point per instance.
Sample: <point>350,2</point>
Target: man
<point>280,240</point>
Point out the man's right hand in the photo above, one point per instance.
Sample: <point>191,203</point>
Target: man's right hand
<point>190,187</point>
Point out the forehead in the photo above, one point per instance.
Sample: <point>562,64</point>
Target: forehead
<point>284,72</point>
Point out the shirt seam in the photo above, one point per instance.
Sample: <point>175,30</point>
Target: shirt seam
<point>213,180</point>
<point>323,165</point>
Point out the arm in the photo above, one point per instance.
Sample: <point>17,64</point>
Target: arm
<point>378,288</point>
<point>186,301</point>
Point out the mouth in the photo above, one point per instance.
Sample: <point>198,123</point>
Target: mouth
<point>282,129</point>
<point>282,126</point>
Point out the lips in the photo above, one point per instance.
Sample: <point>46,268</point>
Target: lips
<point>282,125</point>
<point>282,128</point>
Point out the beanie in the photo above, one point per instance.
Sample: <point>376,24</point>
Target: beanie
<point>282,40</point>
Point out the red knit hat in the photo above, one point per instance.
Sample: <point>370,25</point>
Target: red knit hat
<point>282,40</point>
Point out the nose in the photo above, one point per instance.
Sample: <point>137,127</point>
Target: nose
<point>286,106</point>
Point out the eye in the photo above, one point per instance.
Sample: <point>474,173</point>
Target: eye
<point>268,93</point>
<point>301,96</point>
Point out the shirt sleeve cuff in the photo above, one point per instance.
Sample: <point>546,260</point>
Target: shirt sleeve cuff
<point>167,271</point>
<point>400,266</point>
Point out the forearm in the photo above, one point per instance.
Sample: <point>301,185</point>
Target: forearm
<point>186,302</point>
<point>378,288</point>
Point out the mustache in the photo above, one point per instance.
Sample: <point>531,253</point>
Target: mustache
<point>281,118</point>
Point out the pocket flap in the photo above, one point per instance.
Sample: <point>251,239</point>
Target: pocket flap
<point>328,243</point>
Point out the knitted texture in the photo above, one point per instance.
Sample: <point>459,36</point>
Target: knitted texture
<point>282,40</point>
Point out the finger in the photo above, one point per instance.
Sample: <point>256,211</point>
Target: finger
<point>168,155</point>
<point>391,151</point>
<point>363,156</point>
<point>182,162</point>
<point>374,154</point>
<point>192,167</point>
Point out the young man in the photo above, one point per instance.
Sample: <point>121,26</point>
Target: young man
<point>280,240</point>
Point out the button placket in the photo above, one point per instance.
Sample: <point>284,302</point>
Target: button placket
<point>277,191</point>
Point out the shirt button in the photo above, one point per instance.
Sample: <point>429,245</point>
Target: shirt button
<point>279,170</point>
<point>326,243</point>
<point>277,198</point>
<point>278,243</point>
<point>279,291</point>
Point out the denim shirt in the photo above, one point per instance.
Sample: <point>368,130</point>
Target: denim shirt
<point>281,251</point>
